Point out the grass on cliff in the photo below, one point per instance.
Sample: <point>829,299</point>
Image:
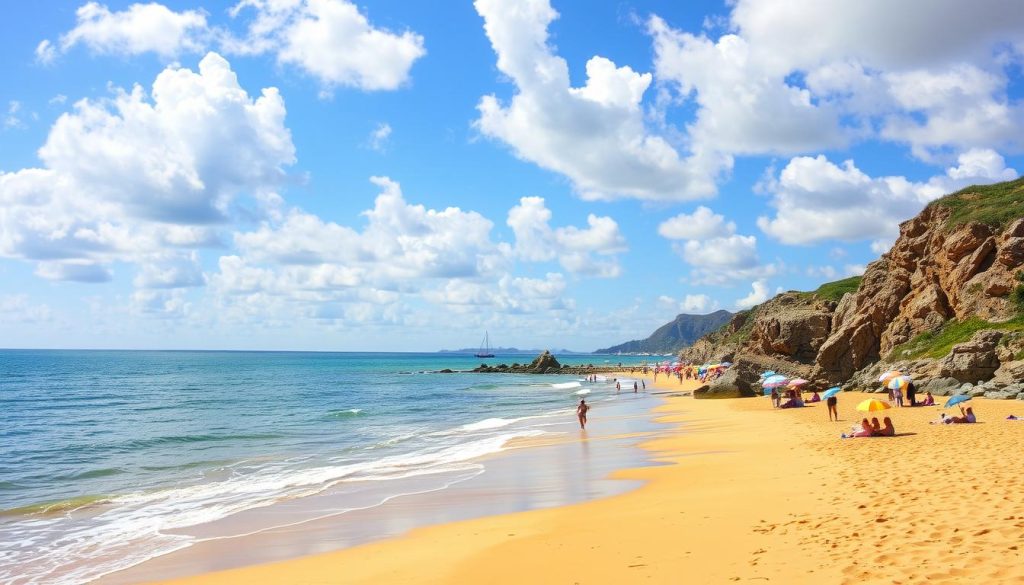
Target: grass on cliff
<point>938,344</point>
<point>995,205</point>
<point>834,291</point>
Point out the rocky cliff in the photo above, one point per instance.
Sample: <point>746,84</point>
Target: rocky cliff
<point>939,303</point>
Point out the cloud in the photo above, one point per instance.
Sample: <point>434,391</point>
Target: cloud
<point>330,40</point>
<point>141,28</point>
<point>702,224</point>
<point>595,135</point>
<point>744,105</point>
<point>138,179</point>
<point>19,309</point>
<point>697,304</point>
<point>880,34</point>
<point>936,78</point>
<point>758,294</point>
<point>816,200</point>
<point>512,295</point>
<point>379,137</point>
<point>586,251</point>
<point>13,119</point>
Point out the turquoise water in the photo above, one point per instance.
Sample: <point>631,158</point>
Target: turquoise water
<point>106,456</point>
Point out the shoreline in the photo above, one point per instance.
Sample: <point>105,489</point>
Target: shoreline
<point>558,468</point>
<point>746,493</point>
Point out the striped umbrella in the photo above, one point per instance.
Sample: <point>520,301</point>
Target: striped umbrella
<point>884,378</point>
<point>898,383</point>
<point>774,381</point>
<point>797,382</point>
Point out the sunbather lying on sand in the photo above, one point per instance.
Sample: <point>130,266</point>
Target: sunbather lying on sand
<point>967,416</point>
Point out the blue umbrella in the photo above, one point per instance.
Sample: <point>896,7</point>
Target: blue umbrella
<point>767,374</point>
<point>953,401</point>
<point>831,392</point>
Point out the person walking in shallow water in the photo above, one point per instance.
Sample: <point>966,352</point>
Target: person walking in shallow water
<point>581,413</point>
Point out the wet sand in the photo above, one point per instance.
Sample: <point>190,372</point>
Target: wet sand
<point>564,466</point>
<point>749,494</point>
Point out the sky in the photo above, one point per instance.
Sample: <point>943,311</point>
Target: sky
<point>402,176</point>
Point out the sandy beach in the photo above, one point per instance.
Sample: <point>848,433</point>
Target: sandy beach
<point>746,494</point>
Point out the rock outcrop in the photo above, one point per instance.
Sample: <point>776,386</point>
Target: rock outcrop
<point>958,260</point>
<point>932,274</point>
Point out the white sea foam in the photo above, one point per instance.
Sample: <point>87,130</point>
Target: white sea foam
<point>133,528</point>
<point>566,385</point>
<point>582,392</point>
<point>489,423</point>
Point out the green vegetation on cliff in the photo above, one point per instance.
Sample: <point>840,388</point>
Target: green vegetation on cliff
<point>937,344</point>
<point>995,205</point>
<point>834,291</point>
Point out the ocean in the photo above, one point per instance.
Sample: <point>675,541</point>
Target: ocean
<point>110,458</point>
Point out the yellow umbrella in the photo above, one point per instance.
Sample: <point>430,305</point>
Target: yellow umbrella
<point>873,404</point>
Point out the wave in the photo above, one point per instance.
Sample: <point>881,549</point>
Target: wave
<point>136,527</point>
<point>489,423</point>
<point>582,392</point>
<point>566,385</point>
<point>348,413</point>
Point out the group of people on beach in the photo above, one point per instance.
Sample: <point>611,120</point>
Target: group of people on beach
<point>872,429</point>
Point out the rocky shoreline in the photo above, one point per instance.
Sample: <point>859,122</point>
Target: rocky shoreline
<point>545,363</point>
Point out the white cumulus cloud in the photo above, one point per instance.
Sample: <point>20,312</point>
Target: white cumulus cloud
<point>589,251</point>
<point>329,39</point>
<point>702,224</point>
<point>817,200</point>
<point>595,135</point>
<point>758,294</point>
<point>141,178</point>
<point>140,28</point>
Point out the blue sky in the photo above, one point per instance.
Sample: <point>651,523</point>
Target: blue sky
<point>317,174</point>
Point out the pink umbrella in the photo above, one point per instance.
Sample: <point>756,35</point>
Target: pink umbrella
<point>797,382</point>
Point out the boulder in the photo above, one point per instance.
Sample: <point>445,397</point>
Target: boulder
<point>1011,253</point>
<point>972,360</point>
<point>977,391</point>
<point>544,362</point>
<point>1020,396</point>
<point>999,395</point>
<point>739,380</point>
<point>941,386</point>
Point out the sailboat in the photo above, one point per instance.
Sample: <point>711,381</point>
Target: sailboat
<point>485,348</point>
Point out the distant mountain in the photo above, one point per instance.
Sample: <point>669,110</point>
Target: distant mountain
<point>511,350</point>
<point>673,336</point>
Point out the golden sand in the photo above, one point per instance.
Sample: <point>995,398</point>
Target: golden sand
<point>750,494</point>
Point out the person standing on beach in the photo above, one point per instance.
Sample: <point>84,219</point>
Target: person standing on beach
<point>644,384</point>
<point>635,387</point>
<point>832,407</point>
<point>618,387</point>
<point>581,413</point>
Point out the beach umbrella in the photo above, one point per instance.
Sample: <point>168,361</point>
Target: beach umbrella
<point>767,374</point>
<point>831,392</point>
<point>884,378</point>
<point>797,382</point>
<point>872,404</point>
<point>774,381</point>
<point>953,401</point>
<point>898,383</point>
